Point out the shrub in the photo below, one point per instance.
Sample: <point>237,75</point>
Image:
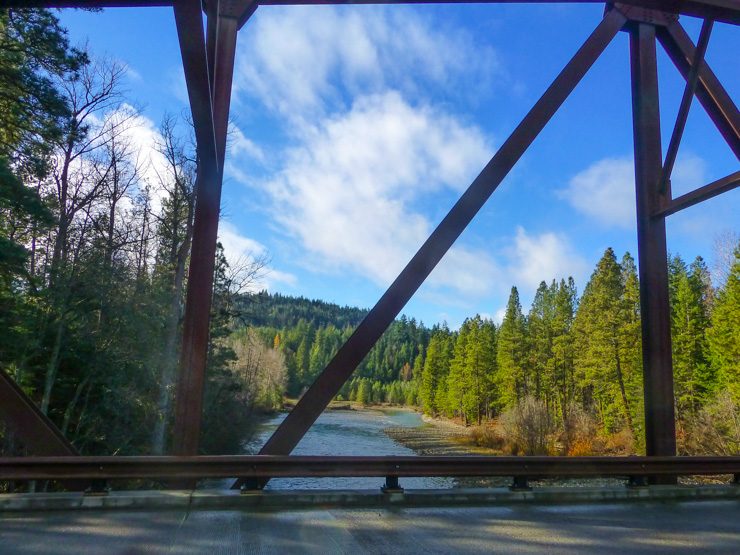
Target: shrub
<point>527,427</point>
<point>579,431</point>
<point>715,430</point>
<point>620,443</point>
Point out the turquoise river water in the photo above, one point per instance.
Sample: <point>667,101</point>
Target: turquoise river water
<point>348,432</point>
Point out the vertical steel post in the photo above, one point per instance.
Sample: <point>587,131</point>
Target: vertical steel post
<point>194,354</point>
<point>660,432</point>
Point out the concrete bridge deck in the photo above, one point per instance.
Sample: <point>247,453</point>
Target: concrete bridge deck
<point>647,525</point>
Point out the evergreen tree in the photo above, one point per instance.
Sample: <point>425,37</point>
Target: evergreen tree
<point>689,320</point>
<point>540,341</point>
<point>434,372</point>
<point>601,327</point>
<point>560,366</point>
<point>457,381</point>
<point>480,368</point>
<point>511,354</point>
<point>723,334</point>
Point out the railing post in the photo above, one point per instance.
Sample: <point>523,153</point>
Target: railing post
<point>520,483</point>
<point>252,485</point>
<point>637,481</point>
<point>98,488</point>
<point>391,485</point>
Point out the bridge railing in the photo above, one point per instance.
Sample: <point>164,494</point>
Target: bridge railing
<point>256,468</point>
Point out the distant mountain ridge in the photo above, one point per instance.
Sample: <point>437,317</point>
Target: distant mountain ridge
<point>274,310</point>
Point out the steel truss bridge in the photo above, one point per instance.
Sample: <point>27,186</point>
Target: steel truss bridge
<point>208,60</point>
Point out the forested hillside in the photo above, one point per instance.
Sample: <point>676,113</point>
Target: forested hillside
<point>569,358</point>
<point>279,311</point>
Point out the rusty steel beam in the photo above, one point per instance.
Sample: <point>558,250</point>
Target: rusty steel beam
<point>701,194</point>
<point>85,3</point>
<point>194,351</point>
<point>212,96</point>
<point>241,10</point>
<point>710,92</point>
<point>225,51</point>
<point>660,430</point>
<point>340,368</point>
<point>683,109</point>
<point>35,430</point>
<point>262,466</point>
<point>726,11</point>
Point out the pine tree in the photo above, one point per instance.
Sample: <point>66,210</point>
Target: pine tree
<point>601,328</point>
<point>540,341</point>
<point>480,368</point>
<point>689,320</point>
<point>364,392</point>
<point>434,372</point>
<point>457,381</point>
<point>630,345</point>
<point>724,333</point>
<point>560,366</point>
<point>511,354</point>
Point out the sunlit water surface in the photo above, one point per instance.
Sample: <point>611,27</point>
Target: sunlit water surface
<point>344,432</point>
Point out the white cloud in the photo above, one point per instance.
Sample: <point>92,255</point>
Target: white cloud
<point>298,60</point>
<point>237,246</point>
<point>239,144</point>
<point>605,191</point>
<point>346,192</point>
<point>241,251</point>
<point>131,73</point>
<point>548,256</point>
<point>498,317</point>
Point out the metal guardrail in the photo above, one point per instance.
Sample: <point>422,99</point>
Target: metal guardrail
<point>267,466</point>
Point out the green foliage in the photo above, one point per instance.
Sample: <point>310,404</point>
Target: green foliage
<point>723,334</point>
<point>694,380</point>
<point>607,343</point>
<point>511,377</point>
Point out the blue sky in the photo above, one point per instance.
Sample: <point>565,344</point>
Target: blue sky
<point>355,129</point>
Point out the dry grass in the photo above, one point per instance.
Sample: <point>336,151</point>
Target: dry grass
<point>489,436</point>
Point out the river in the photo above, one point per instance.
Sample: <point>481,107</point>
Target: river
<point>348,432</point>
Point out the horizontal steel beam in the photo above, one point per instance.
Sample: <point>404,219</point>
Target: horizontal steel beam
<point>701,194</point>
<point>85,3</point>
<point>267,466</point>
<point>726,11</point>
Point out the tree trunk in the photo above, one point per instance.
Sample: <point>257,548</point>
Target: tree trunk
<point>51,369</point>
<point>622,390</point>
